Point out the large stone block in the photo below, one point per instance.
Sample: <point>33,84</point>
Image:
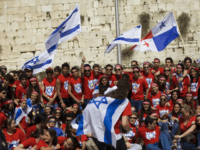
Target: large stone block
<point>46,8</point>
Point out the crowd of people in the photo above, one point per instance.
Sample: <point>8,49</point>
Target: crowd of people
<point>163,107</point>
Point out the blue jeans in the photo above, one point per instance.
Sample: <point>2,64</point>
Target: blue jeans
<point>188,146</point>
<point>162,145</point>
<point>198,139</point>
<point>136,104</point>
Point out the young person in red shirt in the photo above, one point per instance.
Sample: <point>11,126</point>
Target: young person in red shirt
<point>187,63</point>
<point>138,86</point>
<point>68,143</point>
<point>48,86</point>
<point>20,91</point>
<point>156,70</point>
<point>3,95</point>
<point>29,72</point>
<point>169,64</point>
<point>119,71</point>
<point>62,86</point>
<point>111,77</point>
<point>14,136</point>
<point>194,82</point>
<point>75,87</point>
<point>161,83</point>
<point>57,71</point>
<point>151,136</point>
<point>190,101</point>
<point>174,97</point>
<point>162,108</point>
<point>96,73</point>
<point>134,64</point>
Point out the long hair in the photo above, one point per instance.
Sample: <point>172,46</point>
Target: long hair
<point>159,85</point>
<point>170,76</point>
<point>173,112</point>
<point>75,142</point>
<point>190,103</point>
<point>143,111</point>
<point>5,108</point>
<point>197,126</point>
<point>53,134</point>
<point>174,92</point>
<point>102,88</point>
<point>31,89</point>
<point>188,109</point>
<point>38,132</point>
<point>196,78</point>
<point>123,87</point>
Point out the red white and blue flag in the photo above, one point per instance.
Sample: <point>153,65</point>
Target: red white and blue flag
<point>160,36</point>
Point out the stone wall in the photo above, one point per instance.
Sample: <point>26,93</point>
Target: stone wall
<point>26,24</point>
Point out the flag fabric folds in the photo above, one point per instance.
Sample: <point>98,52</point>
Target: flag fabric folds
<point>160,36</point>
<point>101,123</point>
<point>69,28</point>
<point>131,37</point>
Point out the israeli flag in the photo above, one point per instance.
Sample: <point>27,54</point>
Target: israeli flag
<point>131,37</point>
<point>100,117</point>
<point>68,29</point>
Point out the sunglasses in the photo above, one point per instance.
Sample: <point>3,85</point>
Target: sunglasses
<point>4,93</point>
<point>133,65</point>
<point>135,71</point>
<point>87,70</point>
<point>118,69</point>
<point>145,67</point>
<point>108,69</point>
<point>68,120</point>
<point>167,70</point>
<point>51,121</point>
<point>133,118</point>
<point>162,99</point>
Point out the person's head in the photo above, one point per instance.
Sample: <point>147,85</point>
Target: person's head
<point>51,137</point>
<point>150,122</point>
<point>16,75</point>
<point>34,97</point>
<point>118,69</point>
<point>156,62</point>
<point>1,74</point>
<point>169,62</point>
<point>188,98</point>
<point>21,72</point>
<point>180,101</point>
<point>175,95</point>
<point>47,110</point>
<point>65,68</point>
<point>10,124</point>
<point>186,112</point>
<point>87,70</point>
<point>109,69</point>
<point>23,79</point>
<point>74,71</point>
<point>193,72</point>
<point>167,71</point>
<point>75,108</point>
<point>177,108</point>
<point>4,69</point>
<point>3,93</point>
<point>198,110</point>
<point>68,118</point>
<point>7,105</point>
<point>23,103</point>
<point>103,84</point>
<point>179,69</point>
<point>29,71</point>
<point>163,99</point>
<point>133,118</point>
<point>136,72</point>
<point>39,133</point>
<point>33,81</point>
<point>154,87</point>
<point>49,74</point>
<point>162,80</point>
<point>146,105</point>
<point>58,112</point>
<point>198,120</point>
<point>134,64</point>
<point>96,69</point>
<point>8,79</point>
<point>56,71</point>
<point>52,121</point>
<point>146,67</point>
<point>70,143</point>
<point>187,62</point>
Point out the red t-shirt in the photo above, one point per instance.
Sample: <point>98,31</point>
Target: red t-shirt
<point>63,126</point>
<point>96,78</point>
<point>194,104</point>
<point>187,126</point>
<point>159,69</point>
<point>23,123</point>
<point>64,85</point>
<point>112,79</point>
<point>30,142</point>
<point>194,87</point>
<point>41,143</point>
<point>3,118</point>
<point>162,110</point>
<point>88,87</point>
<point>17,82</point>
<point>17,137</point>
<point>76,87</point>
<point>138,86</point>
<point>149,136</point>
<point>144,116</point>
<point>49,89</point>
<point>131,134</point>
<point>30,129</point>
<point>126,112</point>
<point>149,78</point>
<point>171,107</point>
<point>154,98</point>
<point>20,92</point>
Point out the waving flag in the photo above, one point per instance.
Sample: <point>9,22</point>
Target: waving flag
<point>69,28</point>
<point>99,118</point>
<point>160,36</point>
<point>131,37</point>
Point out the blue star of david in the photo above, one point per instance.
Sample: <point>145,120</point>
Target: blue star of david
<point>35,60</point>
<point>98,103</point>
<point>162,25</point>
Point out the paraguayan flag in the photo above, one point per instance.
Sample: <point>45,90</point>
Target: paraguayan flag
<point>131,37</point>
<point>100,117</point>
<point>69,28</point>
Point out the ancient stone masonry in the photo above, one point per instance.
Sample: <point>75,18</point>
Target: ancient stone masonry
<point>26,24</point>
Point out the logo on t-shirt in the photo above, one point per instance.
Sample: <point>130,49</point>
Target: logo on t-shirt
<point>162,112</point>
<point>149,80</point>
<point>135,87</point>
<point>167,85</point>
<point>156,101</point>
<point>91,84</point>
<point>77,88</point>
<point>95,81</point>
<point>66,85</point>
<point>129,135</point>
<point>180,86</point>
<point>110,82</point>
<point>13,144</point>
<point>150,135</point>
<point>194,87</point>
<point>49,90</point>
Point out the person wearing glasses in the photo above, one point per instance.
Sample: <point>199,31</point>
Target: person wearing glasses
<point>4,69</point>
<point>169,63</point>
<point>157,70</point>
<point>162,108</point>
<point>138,86</point>
<point>109,74</point>
<point>52,125</point>
<point>134,64</point>
<point>59,116</point>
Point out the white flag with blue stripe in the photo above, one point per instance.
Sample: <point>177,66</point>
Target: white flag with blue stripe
<point>69,28</point>
<point>100,117</point>
<point>131,37</point>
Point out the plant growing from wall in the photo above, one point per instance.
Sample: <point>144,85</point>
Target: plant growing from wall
<point>144,20</point>
<point>183,23</point>
<point>127,53</point>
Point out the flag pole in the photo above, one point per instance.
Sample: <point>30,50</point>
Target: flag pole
<point>179,30</point>
<point>119,60</point>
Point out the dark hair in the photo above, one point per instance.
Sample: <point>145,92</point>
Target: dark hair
<point>74,68</point>
<point>143,111</point>
<point>68,130</point>
<point>109,65</point>
<point>21,72</point>
<point>170,59</point>
<point>57,121</point>
<point>78,112</point>
<point>174,92</point>
<point>159,85</point>
<point>65,65</point>
<point>197,126</point>
<point>125,76</point>
<point>95,66</point>
<point>57,69</point>
<point>190,103</point>
<point>61,116</point>
<point>31,89</point>
<point>75,142</point>
<point>134,61</point>
<point>8,122</point>
<point>187,58</point>
<point>22,76</point>
<point>182,66</point>
<point>173,112</point>
<point>87,65</point>
<point>2,89</point>
<point>49,71</point>
<point>38,132</point>
<point>102,88</point>
<point>123,87</point>
<point>9,78</point>
<point>53,134</point>
<point>16,72</point>
<point>5,108</point>
<point>196,78</point>
<point>148,120</point>
<point>170,77</point>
